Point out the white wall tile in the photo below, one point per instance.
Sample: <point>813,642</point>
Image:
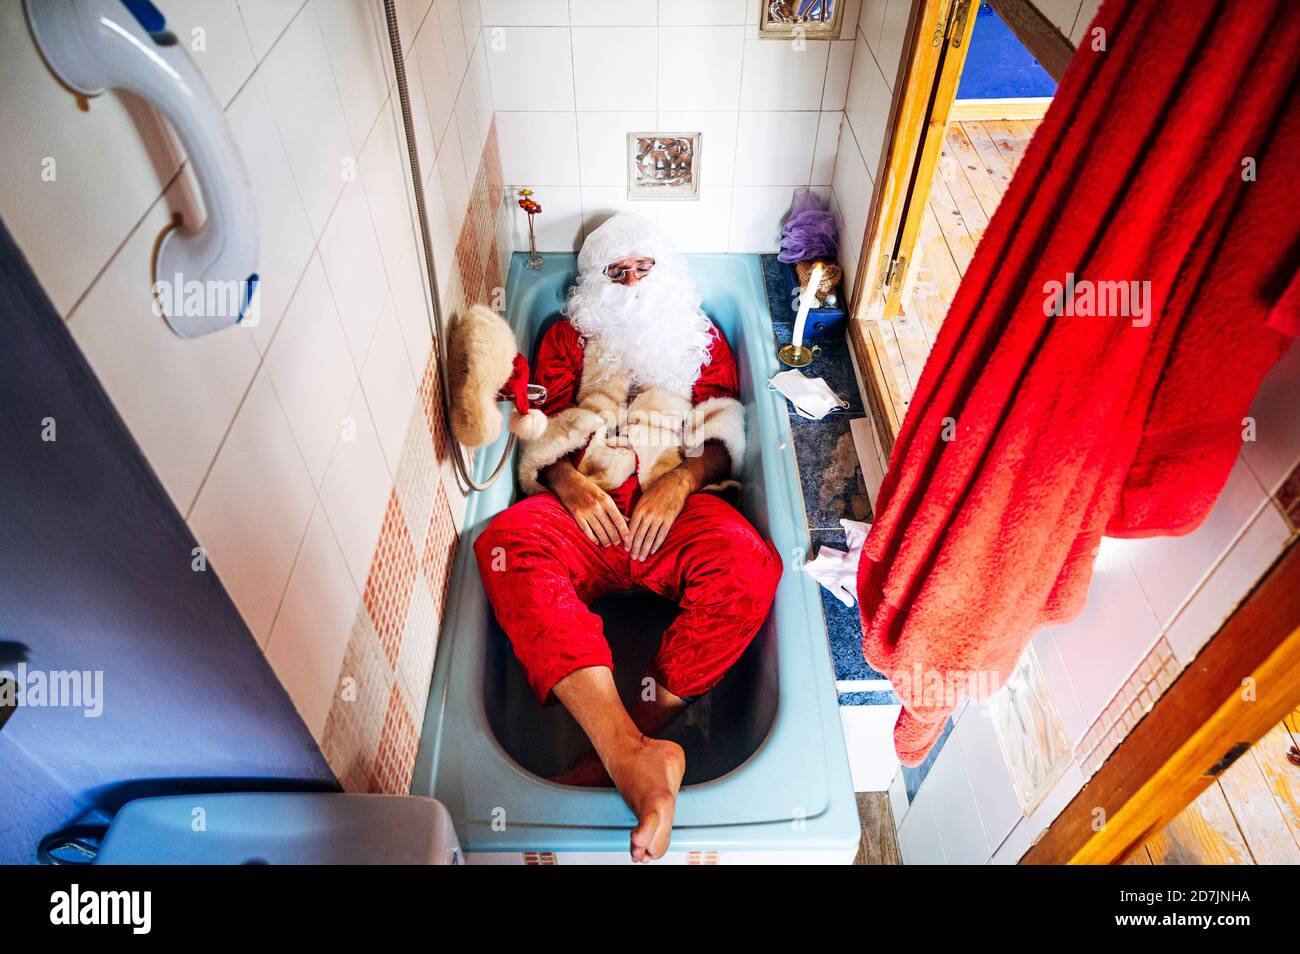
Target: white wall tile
<point>1087,12</point>
<point>45,134</point>
<point>871,18</point>
<point>1170,568</point>
<point>422,112</point>
<point>1028,829</point>
<point>525,12</point>
<point>531,68</point>
<point>898,802</point>
<point>1060,13</point>
<point>411,302</point>
<point>613,67</point>
<point>285,236</point>
<point>384,178</point>
<point>559,227</point>
<point>1275,452</point>
<point>1107,641</point>
<point>471,17</point>
<point>481,84</point>
<point>356,488</point>
<point>1251,555</point>
<point>389,384</point>
<point>613,12</point>
<point>699,67</point>
<point>717,141</point>
<point>828,143</point>
<point>265,20</point>
<point>453,41</point>
<point>312,370</point>
<point>839,64</point>
<point>455,184</point>
<point>702,12</point>
<point>852,184</point>
<point>177,394</point>
<point>355,40</point>
<point>918,836</point>
<point>538,149</point>
<point>307,110</point>
<point>471,140</point>
<point>310,635</point>
<point>956,815</point>
<point>756,217</point>
<point>600,202</point>
<point>602,144</point>
<point>252,512</point>
<point>775,148</point>
<point>411,15</point>
<point>986,769</point>
<point>778,75</point>
<point>702,225</point>
<point>867,106</point>
<point>439,93</point>
<point>354,269</point>
<point>212,32</point>
<point>893,31</point>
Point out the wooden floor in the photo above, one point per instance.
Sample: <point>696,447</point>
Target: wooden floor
<point>878,846</point>
<point>1250,816</point>
<point>975,166</point>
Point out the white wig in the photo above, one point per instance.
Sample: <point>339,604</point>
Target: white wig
<point>653,330</point>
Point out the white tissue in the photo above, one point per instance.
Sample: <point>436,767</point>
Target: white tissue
<point>837,570</point>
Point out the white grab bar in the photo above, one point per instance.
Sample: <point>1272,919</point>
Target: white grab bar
<point>205,279</point>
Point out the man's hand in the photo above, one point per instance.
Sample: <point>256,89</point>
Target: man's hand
<point>591,507</point>
<point>656,511</point>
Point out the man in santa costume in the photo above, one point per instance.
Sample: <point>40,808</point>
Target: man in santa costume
<point>643,438</point>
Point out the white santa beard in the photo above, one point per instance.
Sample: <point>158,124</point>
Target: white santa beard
<point>653,330</point>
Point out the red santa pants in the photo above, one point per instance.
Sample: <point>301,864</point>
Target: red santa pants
<point>541,572</point>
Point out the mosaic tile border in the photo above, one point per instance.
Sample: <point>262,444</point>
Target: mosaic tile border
<point>1156,673</point>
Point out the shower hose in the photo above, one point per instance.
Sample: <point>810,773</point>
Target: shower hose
<point>463,469</point>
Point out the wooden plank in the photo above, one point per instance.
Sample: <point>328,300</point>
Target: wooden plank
<point>1009,146</point>
<point>1257,812</point>
<point>1205,833</point>
<point>961,244</point>
<point>1012,107</point>
<point>1140,857</point>
<point>1161,766</point>
<point>1281,777</point>
<point>879,844</point>
<point>1040,36</point>
<point>999,169</point>
<point>973,171</point>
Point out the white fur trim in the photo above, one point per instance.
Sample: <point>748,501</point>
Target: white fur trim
<point>655,419</point>
<point>566,432</point>
<point>719,419</point>
<point>528,427</point>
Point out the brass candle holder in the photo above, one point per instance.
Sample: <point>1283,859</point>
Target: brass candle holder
<point>797,356</point>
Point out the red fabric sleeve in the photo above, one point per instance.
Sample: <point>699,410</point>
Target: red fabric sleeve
<point>718,378</point>
<point>558,367</point>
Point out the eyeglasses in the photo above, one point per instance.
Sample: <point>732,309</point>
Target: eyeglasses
<point>616,273</point>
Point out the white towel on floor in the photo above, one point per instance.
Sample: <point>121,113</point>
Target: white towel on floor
<point>837,570</point>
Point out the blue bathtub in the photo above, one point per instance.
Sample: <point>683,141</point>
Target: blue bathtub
<point>767,775</point>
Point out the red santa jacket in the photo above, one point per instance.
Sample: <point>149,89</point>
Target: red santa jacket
<point>624,442</point>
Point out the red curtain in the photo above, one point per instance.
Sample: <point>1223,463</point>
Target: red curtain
<point>1165,160</point>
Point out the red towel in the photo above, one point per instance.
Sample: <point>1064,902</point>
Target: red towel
<point>1030,435</point>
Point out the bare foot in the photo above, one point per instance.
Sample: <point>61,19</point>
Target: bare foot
<point>648,777</point>
<point>587,771</point>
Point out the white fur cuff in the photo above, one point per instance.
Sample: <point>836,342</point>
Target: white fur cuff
<point>719,419</point>
<point>565,432</point>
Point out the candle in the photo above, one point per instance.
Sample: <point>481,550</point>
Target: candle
<point>806,301</point>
